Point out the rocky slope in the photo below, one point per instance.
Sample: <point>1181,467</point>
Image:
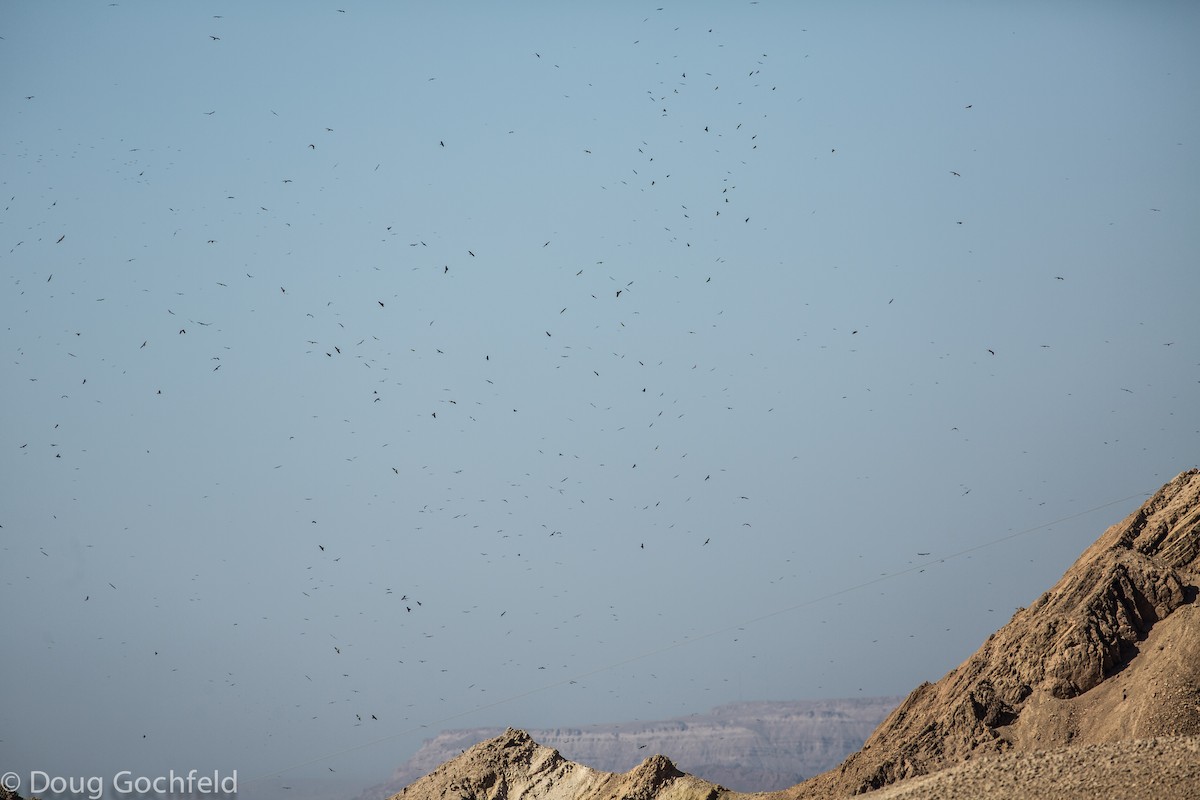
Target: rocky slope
<point>1108,658</point>
<point>756,746</point>
<point>514,767</point>
<point>1109,653</point>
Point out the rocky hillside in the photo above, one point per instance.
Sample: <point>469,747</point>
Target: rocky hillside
<point>757,746</point>
<point>1111,653</point>
<point>514,767</point>
<point>1109,658</point>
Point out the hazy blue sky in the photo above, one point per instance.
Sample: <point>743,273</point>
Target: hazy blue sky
<point>372,369</point>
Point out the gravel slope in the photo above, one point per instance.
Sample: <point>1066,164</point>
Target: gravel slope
<point>1163,769</point>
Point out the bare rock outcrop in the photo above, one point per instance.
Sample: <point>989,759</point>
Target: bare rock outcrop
<point>513,766</point>
<point>1124,614</point>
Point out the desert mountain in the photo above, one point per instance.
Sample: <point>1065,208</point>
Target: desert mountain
<point>750,746</point>
<point>1110,653</point>
<point>1108,659</point>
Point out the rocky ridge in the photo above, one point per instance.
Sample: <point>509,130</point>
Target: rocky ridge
<point>514,767</point>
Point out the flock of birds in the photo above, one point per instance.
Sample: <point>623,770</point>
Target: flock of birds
<point>511,414</point>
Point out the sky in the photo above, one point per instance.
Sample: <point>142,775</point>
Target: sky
<point>372,369</point>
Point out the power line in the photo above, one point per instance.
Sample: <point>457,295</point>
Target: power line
<point>688,640</point>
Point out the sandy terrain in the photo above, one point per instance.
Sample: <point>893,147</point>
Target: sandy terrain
<point>1162,769</point>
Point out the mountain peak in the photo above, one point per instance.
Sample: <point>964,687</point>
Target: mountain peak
<point>512,766</point>
<point>1167,526</point>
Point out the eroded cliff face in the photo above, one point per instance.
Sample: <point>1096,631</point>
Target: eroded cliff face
<point>1121,620</point>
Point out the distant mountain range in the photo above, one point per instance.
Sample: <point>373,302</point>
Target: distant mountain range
<point>753,746</point>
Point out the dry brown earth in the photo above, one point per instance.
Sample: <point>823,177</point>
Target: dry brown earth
<point>1158,769</point>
